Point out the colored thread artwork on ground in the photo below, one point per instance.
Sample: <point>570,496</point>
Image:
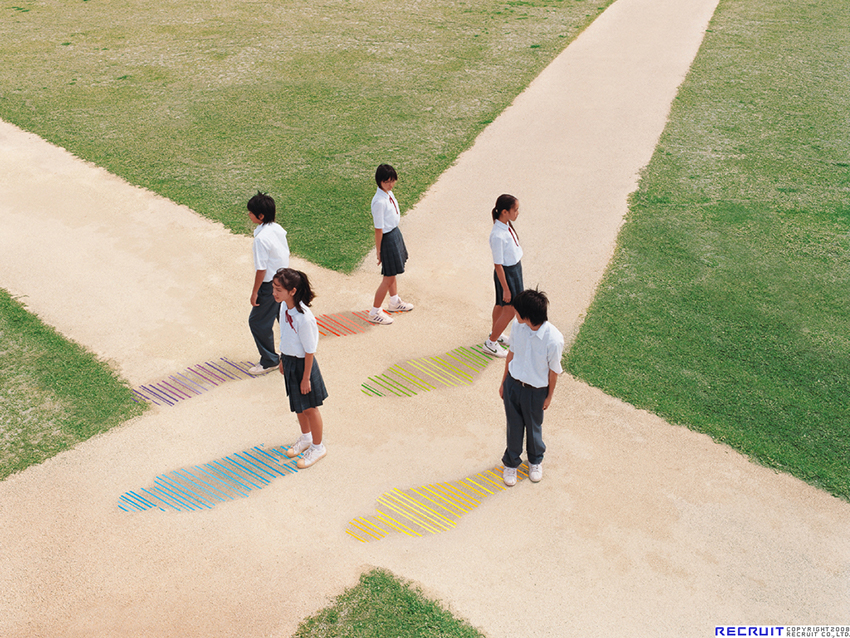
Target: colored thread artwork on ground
<point>193,381</point>
<point>198,379</point>
<point>455,368</point>
<point>343,324</point>
<point>202,487</point>
<point>429,509</point>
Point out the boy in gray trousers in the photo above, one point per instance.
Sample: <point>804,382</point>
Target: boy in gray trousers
<point>531,372</point>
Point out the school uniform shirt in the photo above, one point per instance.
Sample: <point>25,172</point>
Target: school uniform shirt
<point>385,211</point>
<point>535,353</point>
<point>299,333</point>
<point>271,250</point>
<point>505,245</point>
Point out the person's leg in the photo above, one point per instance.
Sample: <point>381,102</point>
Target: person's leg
<point>304,422</point>
<point>388,284</point>
<point>501,320</point>
<point>261,321</point>
<point>310,421</point>
<point>515,428</point>
<point>316,451</point>
<point>532,413</point>
<point>305,440</point>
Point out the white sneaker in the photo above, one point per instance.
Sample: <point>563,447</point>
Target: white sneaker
<point>509,476</point>
<point>401,306</point>
<point>505,340</point>
<point>380,318</point>
<point>495,349</point>
<point>313,454</point>
<point>299,446</point>
<point>535,472</point>
<point>259,369</point>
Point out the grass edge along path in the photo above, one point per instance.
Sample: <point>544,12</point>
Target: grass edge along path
<point>53,392</point>
<point>206,103</point>
<point>726,307</point>
<point>381,605</point>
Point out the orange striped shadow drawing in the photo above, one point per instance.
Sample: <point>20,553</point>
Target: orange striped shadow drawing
<point>428,509</point>
<point>456,367</point>
<point>342,324</point>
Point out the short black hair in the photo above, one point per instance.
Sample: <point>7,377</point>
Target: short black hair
<point>532,305</point>
<point>384,173</point>
<point>262,204</point>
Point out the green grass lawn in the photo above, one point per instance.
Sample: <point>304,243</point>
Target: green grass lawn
<point>53,394</point>
<point>381,606</point>
<point>727,305</point>
<point>726,308</point>
<point>205,103</point>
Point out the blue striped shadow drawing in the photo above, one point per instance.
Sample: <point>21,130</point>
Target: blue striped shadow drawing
<point>202,487</point>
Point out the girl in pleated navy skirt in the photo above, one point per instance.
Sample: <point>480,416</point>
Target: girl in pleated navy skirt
<point>299,339</point>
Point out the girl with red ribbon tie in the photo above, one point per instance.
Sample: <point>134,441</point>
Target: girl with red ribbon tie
<point>389,245</point>
<point>299,339</point>
<point>507,271</point>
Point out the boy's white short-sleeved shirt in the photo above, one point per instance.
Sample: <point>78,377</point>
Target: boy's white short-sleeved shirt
<point>535,353</point>
<point>385,213</point>
<point>271,250</point>
<point>299,333</point>
<point>504,245</point>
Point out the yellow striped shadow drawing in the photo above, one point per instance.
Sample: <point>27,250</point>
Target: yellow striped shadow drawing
<point>457,367</point>
<point>429,509</point>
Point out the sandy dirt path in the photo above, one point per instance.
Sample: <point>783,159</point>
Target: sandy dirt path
<point>638,525</point>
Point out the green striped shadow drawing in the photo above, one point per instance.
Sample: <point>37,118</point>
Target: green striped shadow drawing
<point>455,368</point>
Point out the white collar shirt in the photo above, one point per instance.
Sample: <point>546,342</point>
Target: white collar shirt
<point>504,244</point>
<point>385,211</point>
<point>536,352</point>
<point>271,250</point>
<point>299,333</point>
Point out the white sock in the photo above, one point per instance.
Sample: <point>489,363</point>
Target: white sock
<point>395,299</point>
<point>374,311</point>
<point>319,447</point>
<point>307,436</point>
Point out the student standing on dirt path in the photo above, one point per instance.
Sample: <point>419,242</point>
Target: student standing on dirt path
<point>271,252</point>
<point>528,383</point>
<point>507,270</point>
<point>389,244</point>
<point>299,338</point>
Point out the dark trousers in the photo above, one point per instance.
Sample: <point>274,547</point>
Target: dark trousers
<point>524,413</point>
<point>261,322</point>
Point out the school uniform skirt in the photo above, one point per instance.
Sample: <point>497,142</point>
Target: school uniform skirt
<point>513,276</point>
<point>393,253</point>
<point>293,372</point>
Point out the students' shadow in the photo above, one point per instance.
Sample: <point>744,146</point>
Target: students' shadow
<point>455,368</point>
<point>205,486</point>
<point>428,509</point>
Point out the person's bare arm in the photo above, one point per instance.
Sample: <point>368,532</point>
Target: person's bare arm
<point>553,379</point>
<point>258,281</point>
<point>505,375</point>
<point>506,292</point>
<point>308,367</point>
<point>379,235</point>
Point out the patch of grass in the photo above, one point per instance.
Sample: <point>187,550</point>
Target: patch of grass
<point>205,103</point>
<point>53,393</point>
<point>727,305</point>
<point>381,606</point>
